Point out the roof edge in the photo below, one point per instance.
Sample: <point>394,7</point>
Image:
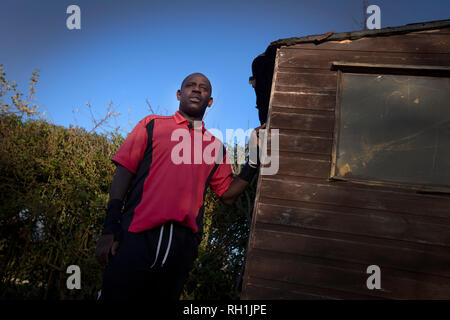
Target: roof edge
<point>353,35</point>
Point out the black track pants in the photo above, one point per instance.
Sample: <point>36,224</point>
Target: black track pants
<point>151,265</point>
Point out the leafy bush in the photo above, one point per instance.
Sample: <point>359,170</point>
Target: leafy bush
<point>54,192</point>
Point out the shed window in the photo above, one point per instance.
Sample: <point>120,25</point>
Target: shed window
<point>393,128</point>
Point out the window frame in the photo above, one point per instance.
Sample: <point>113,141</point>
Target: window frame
<point>380,69</point>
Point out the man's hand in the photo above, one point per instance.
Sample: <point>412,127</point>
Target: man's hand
<point>120,185</point>
<point>238,184</point>
<point>255,135</point>
<point>254,144</point>
<point>105,245</point>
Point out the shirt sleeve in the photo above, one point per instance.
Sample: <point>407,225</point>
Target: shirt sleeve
<point>131,152</point>
<point>222,177</point>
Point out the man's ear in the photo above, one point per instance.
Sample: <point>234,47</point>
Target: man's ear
<point>178,94</point>
<point>210,102</point>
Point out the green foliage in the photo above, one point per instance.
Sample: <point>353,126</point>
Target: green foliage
<point>20,104</point>
<point>53,197</point>
<point>218,271</point>
<point>219,268</point>
<point>54,192</point>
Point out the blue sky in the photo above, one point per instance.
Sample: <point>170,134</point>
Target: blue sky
<point>130,51</point>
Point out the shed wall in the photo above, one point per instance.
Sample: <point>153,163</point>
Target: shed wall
<point>312,238</point>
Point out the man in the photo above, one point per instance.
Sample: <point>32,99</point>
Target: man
<point>149,249</point>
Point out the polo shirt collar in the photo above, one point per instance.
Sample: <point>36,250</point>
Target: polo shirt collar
<point>180,119</point>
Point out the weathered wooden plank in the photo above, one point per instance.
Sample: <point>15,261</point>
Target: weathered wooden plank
<point>311,157</point>
<point>316,91</point>
<point>332,209</point>
<point>409,43</point>
<point>307,134</point>
<point>258,292</point>
<point>260,289</point>
<point>337,210</point>
<point>306,111</point>
<point>321,59</point>
<point>378,66</point>
<point>375,224</point>
<point>304,100</point>
<point>350,278</point>
<point>257,288</point>
<point>304,79</point>
<point>304,143</point>
<point>297,165</point>
<point>344,194</point>
<point>309,122</point>
<point>352,251</point>
<point>435,31</point>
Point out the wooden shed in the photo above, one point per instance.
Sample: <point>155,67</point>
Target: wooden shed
<point>364,167</point>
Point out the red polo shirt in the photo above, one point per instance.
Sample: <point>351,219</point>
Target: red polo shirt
<point>173,165</point>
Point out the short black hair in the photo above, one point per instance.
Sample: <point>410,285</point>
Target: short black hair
<point>209,82</point>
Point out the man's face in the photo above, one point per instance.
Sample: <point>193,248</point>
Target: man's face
<point>195,95</point>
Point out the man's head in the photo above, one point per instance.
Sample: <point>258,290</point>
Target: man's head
<point>195,95</point>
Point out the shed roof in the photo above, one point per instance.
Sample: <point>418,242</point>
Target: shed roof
<point>353,35</point>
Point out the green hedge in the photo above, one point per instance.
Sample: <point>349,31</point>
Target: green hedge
<point>54,191</point>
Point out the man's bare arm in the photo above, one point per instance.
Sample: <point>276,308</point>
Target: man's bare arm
<point>121,183</point>
<point>241,182</point>
<point>236,187</point>
<point>119,187</point>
